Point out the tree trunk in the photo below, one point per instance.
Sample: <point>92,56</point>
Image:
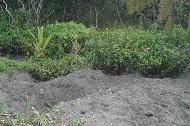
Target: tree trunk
<point>119,16</point>
<point>188,20</point>
<point>96,17</point>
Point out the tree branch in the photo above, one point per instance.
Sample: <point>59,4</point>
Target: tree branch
<point>6,9</point>
<point>20,1</point>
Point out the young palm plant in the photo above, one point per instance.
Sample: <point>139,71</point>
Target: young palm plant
<point>40,43</point>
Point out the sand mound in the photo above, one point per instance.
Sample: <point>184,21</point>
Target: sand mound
<point>125,100</point>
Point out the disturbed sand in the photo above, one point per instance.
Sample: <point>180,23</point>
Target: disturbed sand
<point>103,100</point>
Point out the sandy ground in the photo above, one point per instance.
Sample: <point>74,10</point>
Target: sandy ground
<point>103,100</point>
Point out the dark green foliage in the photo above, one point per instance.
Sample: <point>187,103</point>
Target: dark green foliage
<point>65,35</point>
<point>46,69</point>
<point>65,47</point>
<point>14,38</point>
<point>98,13</point>
<point>181,13</point>
<point>107,49</point>
<point>73,46</point>
<point>150,52</point>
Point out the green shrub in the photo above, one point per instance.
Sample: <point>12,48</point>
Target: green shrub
<point>135,49</point>
<point>46,69</point>
<point>14,37</point>
<point>73,46</point>
<point>107,50</point>
<point>65,35</point>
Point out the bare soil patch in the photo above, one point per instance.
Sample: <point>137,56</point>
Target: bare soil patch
<point>103,100</point>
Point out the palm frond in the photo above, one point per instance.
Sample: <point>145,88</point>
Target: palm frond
<point>39,43</point>
<point>137,5</point>
<point>32,35</point>
<point>47,41</point>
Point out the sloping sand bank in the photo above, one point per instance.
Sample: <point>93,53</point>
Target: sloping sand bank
<point>103,100</point>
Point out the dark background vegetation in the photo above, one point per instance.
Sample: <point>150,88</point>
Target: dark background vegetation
<point>99,13</point>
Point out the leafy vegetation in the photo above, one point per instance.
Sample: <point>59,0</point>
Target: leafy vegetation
<point>40,43</point>
<point>46,69</point>
<point>136,49</point>
<point>33,117</point>
<point>52,40</point>
<point>68,38</point>
<point>7,65</point>
<point>14,37</point>
<point>148,51</point>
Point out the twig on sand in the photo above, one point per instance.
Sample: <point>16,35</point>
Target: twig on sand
<point>8,115</point>
<point>84,118</point>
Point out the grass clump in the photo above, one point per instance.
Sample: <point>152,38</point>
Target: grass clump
<point>7,65</point>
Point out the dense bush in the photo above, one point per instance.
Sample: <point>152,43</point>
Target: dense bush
<point>73,46</point>
<point>14,37</point>
<point>44,69</point>
<point>135,49</point>
<point>65,47</point>
<point>65,37</point>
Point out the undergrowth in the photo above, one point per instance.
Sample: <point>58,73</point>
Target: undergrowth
<point>44,69</point>
<point>148,51</point>
<point>32,117</point>
<point>73,46</point>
